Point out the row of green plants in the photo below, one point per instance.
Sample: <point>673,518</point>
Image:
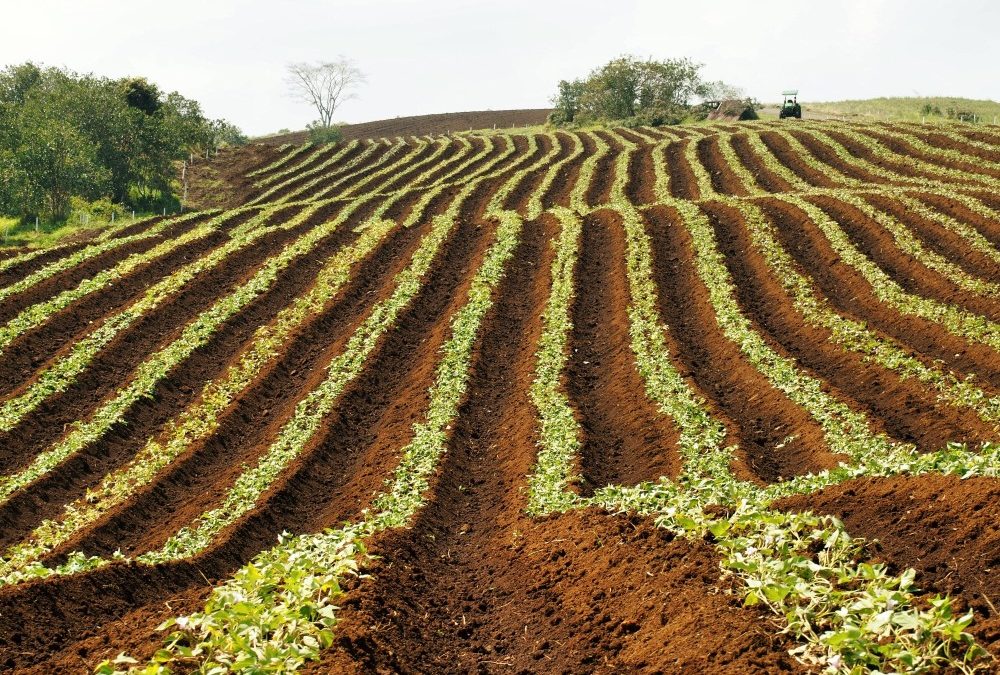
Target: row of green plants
<point>911,244</point>
<point>268,182</point>
<point>340,172</point>
<point>390,170</point>
<point>62,373</point>
<point>288,153</point>
<point>924,150</point>
<point>39,313</point>
<point>160,363</point>
<point>849,615</point>
<point>322,172</point>
<point>535,205</point>
<point>82,255</point>
<point>278,611</point>
<point>21,561</point>
<point>854,335</point>
<point>399,502</point>
<point>958,321</point>
<point>110,231</point>
<point>199,420</point>
<point>578,196</point>
<point>301,428</point>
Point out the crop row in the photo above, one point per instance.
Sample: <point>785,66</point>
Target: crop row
<point>256,620</point>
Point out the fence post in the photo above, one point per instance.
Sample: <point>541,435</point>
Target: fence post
<point>36,227</point>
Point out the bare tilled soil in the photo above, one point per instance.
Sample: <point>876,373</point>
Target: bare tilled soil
<point>473,582</point>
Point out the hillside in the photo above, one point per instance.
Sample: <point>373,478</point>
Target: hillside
<point>597,401</point>
<point>422,125</point>
<point>908,109</point>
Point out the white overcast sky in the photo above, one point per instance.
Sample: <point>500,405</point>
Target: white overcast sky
<point>427,56</point>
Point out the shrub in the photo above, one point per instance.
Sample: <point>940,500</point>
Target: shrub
<point>323,134</point>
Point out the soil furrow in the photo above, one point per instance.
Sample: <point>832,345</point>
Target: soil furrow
<point>826,155</point>
<point>475,586</point>
<point>792,161</point>
<point>682,181</point>
<point>904,409</point>
<point>940,239</point>
<point>404,177</point>
<point>39,346</point>
<point>777,438</point>
<point>341,175</point>
<point>902,165</point>
<point>946,143</point>
<point>724,180</point>
<point>988,227</point>
<point>851,295</point>
<point>114,365</point>
<point>766,179</point>
<point>69,481</point>
<point>561,186</point>
<point>878,244</point>
<point>599,190</point>
<point>945,527</point>
<point>518,198</point>
<point>70,278</point>
<point>908,152</point>
<point>641,186</point>
<point>444,167</point>
<point>192,486</point>
<point>626,439</point>
<point>307,170</point>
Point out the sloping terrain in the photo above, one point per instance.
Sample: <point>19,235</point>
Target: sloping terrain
<point>622,400</point>
<point>423,125</point>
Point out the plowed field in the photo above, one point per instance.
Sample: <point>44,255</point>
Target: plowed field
<point>719,398</point>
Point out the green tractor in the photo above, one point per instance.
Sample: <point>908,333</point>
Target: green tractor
<point>791,107</point>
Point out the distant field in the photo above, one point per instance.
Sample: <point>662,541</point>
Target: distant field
<point>421,125</point>
<point>907,109</point>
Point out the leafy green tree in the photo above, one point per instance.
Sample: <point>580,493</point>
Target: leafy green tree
<point>628,90</point>
<point>67,135</point>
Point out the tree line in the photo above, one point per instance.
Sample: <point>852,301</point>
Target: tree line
<point>64,135</point>
<point>634,92</point>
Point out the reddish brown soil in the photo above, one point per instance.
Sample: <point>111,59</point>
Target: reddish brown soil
<point>848,291</point>
<point>476,586</point>
<point>907,411</point>
<point>878,244</point>
<point>941,240</point>
<point>945,528</point>
<point>561,187</point>
<point>197,484</point>
<point>154,331</point>
<point>599,190</point>
<point>908,151</point>
<point>721,373</point>
<point>626,439</point>
<point>422,125</point>
<point>766,179</point>
<point>682,181</point>
<point>474,583</point>
<point>525,187</point>
<point>987,227</point>
<point>641,185</point>
<point>825,154</point>
<point>724,181</point>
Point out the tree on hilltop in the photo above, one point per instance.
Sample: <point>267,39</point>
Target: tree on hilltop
<point>325,85</point>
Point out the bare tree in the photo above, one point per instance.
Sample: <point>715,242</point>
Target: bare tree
<point>325,85</point>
